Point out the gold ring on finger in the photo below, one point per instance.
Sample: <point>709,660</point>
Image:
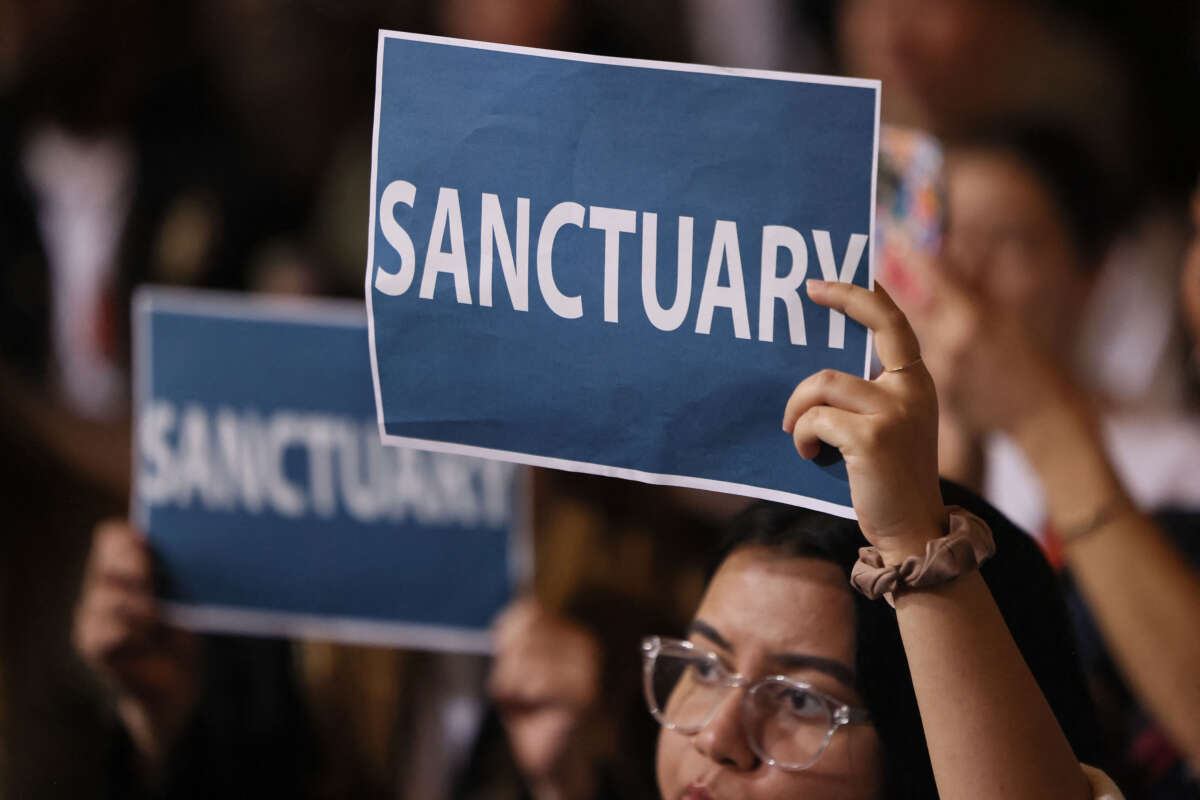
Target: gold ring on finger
<point>903,367</point>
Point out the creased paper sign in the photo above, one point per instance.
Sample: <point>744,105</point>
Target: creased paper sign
<point>597,264</point>
<point>270,501</point>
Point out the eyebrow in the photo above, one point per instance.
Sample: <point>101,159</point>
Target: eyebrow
<point>709,632</point>
<point>831,667</point>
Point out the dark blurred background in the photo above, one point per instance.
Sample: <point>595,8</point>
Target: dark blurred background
<point>226,143</point>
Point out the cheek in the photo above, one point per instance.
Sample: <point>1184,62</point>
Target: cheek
<point>669,763</point>
<point>1036,285</point>
<point>852,766</point>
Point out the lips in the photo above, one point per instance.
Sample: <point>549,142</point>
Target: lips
<point>696,792</point>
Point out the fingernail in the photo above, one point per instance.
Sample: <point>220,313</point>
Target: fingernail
<point>814,284</point>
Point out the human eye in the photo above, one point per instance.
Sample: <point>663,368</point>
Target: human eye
<point>801,702</point>
<point>707,670</point>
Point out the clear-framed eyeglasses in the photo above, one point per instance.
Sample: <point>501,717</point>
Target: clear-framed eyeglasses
<point>788,724</point>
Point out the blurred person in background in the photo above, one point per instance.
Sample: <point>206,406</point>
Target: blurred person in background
<point>201,716</point>
<point>614,561</point>
<point>1029,219</point>
<point>137,150</point>
<point>567,720</point>
<point>1110,73</point>
<point>1135,577</point>
<point>115,169</point>
<point>204,715</point>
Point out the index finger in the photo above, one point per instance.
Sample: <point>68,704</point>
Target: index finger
<point>894,338</point>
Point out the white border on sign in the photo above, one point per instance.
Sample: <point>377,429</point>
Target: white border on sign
<point>350,630</point>
<point>675,66</point>
<point>142,381</point>
<point>299,310</point>
<point>662,479</point>
<point>871,237</point>
<point>656,478</point>
<point>330,312</point>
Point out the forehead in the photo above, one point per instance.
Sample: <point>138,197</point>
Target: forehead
<point>762,602</point>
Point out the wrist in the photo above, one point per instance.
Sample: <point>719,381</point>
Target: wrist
<point>1064,445</point>
<point>1103,516</point>
<point>965,544</point>
<point>897,547</point>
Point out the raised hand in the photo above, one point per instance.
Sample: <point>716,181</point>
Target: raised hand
<point>991,373</point>
<point>886,429</point>
<point>151,667</point>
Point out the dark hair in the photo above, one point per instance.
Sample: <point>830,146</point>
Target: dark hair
<point>1023,585</point>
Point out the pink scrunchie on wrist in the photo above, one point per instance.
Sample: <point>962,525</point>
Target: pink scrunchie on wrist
<point>968,544</point>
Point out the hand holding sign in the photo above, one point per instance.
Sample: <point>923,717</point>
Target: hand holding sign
<point>886,429</point>
<point>120,634</point>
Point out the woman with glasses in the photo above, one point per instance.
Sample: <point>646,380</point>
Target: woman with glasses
<point>920,684</point>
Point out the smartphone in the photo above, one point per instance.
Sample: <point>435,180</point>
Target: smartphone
<point>910,207</point>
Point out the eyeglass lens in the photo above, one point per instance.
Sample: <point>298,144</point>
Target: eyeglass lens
<point>687,689</point>
<point>790,725</point>
<point>785,723</point>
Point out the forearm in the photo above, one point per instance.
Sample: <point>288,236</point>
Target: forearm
<point>991,734</point>
<point>1143,596</point>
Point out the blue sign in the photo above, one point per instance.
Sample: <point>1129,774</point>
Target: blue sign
<point>262,484</point>
<point>597,264</point>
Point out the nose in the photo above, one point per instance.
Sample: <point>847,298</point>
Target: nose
<point>723,739</point>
